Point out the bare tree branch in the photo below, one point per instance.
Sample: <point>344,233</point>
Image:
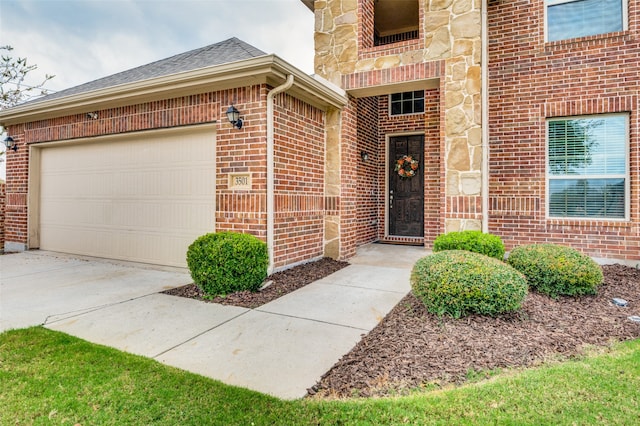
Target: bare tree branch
<point>13,89</point>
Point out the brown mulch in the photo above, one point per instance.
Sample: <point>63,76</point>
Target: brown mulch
<point>281,283</point>
<point>411,348</point>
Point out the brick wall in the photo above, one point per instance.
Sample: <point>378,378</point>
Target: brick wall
<point>242,151</point>
<point>348,203</point>
<point>531,81</point>
<point>2,208</point>
<point>299,159</point>
<point>15,214</point>
<point>300,146</point>
<point>369,187</point>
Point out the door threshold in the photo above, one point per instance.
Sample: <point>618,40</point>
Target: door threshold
<point>418,242</point>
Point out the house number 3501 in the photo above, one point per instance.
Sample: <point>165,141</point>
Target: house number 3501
<point>240,181</point>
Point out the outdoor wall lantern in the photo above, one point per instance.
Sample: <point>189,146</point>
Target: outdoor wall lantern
<point>364,155</point>
<point>233,115</point>
<point>10,143</point>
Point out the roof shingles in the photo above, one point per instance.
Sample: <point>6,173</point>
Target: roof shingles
<point>224,52</point>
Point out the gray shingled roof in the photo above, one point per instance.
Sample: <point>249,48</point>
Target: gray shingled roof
<point>224,52</point>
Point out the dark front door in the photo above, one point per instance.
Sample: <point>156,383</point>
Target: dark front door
<point>406,188</point>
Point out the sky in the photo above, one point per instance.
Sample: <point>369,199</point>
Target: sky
<point>82,40</point>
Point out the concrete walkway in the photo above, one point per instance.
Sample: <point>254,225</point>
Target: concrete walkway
<point>281,348</point>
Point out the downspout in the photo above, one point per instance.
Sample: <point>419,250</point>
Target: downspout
<point>484,40</point>
<point>270,168</point>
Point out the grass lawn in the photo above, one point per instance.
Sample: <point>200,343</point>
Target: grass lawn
<point>48,377</point>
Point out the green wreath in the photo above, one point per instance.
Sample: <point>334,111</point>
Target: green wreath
<point>406,167</point>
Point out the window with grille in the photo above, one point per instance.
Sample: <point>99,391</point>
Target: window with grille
<point>406,103</point>
<point>580,18</point>
<point>587,169</point>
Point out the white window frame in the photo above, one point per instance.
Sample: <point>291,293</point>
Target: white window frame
<point>424,106</point>
<point>627,174</point>
<point>547,3</point>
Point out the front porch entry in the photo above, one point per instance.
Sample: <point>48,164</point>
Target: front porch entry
<point>405,205</point>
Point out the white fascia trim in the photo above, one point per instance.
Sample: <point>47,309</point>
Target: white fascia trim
<point>324,93</point>
<point>268,68</point>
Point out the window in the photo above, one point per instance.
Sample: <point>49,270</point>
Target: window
<point>580,18</point>
<point>587,175</point>
<point>395,21</point>
<point>406,103</point>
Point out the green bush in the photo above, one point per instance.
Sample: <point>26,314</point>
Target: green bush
<point>557,270</point>
<point>458,282</point>
<point>475,241</point>
<point>226,262</point>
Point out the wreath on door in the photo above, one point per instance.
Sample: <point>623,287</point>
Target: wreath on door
<point>406,167</point>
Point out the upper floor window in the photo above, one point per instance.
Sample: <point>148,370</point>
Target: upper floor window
<point>394,21</point>
<point>587,170</point>
<point>406,103</point>
<point>580,18</point>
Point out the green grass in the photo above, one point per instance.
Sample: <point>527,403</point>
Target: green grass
<point>48,377</point>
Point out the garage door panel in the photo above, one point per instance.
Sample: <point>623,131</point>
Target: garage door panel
<point>179,215</point>
<point>157,248</point>
<point>143,200</point>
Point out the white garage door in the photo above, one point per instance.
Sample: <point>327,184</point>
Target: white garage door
<point>142,198</point>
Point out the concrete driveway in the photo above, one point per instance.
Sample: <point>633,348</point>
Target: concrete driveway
<point>281,348</point>
<point>37,286</point>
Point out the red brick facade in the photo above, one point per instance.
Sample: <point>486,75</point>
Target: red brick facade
<point>15,214</point>
<point>299,161</point>
<point>531,81</point>
<point>299,181</point>
<point>2,209</point>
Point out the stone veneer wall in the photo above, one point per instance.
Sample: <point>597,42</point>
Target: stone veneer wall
<point>332,188</point>
<point>448,49</point>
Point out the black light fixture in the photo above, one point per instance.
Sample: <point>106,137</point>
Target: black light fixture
<point>233,115</point>
<point>10,143</point>
<point>364,155</point>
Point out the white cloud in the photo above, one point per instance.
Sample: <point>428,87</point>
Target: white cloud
<point>79,40</point>
<point>82,40</point>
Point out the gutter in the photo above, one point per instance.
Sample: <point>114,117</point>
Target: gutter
<point>270,168</point>
<point>268,69</point>
<point>484,39</point>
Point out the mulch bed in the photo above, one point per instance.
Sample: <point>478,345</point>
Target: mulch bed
<point>411,348</point>
<point>282,283</point>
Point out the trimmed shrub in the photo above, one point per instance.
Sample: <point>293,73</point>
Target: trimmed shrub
<point>557,270</point>
<point>475,241</point>
<point>458,282</point>
<point>226,262</point>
